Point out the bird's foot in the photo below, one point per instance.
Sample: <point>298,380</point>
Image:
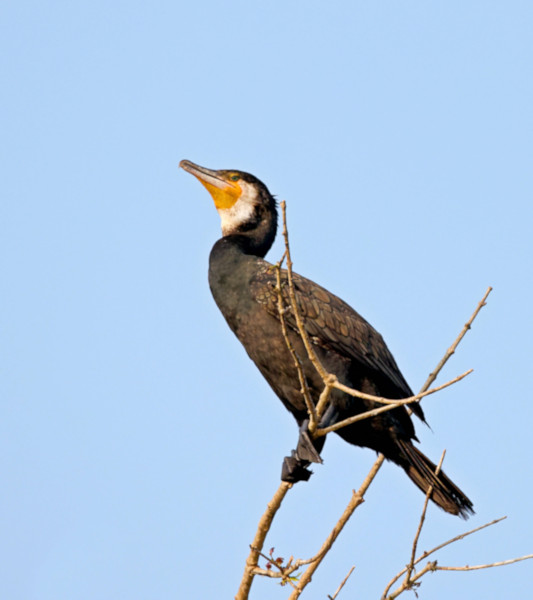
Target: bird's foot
<point>306,448</point>
<point>295,467</point>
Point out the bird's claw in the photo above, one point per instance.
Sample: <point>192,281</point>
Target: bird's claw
<point>294,469</point>
<point>306,449</point>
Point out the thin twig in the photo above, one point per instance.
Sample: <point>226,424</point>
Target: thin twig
<point>427,553</point>
<point>313,418</point>
<point>411,565</point>
<point>451,350</point>
<point>284,571</point>
<point>409,581</point>
<point>292,295</point>
<point>341,584</point>
<point>457,538</point>
<point>501,563</point>
<point>408,400</point>
<point>433,566</point>
<point>388,406</point>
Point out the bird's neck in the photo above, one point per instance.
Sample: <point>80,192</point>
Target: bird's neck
<point>234,261</point>
<point>231,267</point>
<point>231,254</point>
<point>253,235</point>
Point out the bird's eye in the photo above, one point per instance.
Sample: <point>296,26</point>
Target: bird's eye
<point>234,177</point>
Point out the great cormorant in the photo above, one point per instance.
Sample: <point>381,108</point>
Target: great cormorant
<point>243,285</point>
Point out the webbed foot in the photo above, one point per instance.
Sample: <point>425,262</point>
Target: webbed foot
<point>307,447</point>
<point>295,467</point>
<point>294,470</point>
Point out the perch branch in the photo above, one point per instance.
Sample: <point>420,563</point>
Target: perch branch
<point>257,545</point>
<point>356,499</point>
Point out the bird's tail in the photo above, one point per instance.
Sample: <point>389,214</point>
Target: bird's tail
<point>445,493</point>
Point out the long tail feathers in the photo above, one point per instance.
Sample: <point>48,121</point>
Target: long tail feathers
<point>445,493</point>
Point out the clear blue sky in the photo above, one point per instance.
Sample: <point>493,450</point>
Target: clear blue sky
<point>138,444</point>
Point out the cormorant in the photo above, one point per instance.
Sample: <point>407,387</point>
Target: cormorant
<point>243,285</point>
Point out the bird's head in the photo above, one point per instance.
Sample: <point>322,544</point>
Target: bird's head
<point>244,203</point>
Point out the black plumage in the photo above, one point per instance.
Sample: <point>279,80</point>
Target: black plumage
<point>243,285</point>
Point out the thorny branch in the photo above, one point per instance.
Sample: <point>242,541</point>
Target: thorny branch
<point>331,382</point>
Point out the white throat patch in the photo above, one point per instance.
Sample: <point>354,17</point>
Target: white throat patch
<point>241,212</point>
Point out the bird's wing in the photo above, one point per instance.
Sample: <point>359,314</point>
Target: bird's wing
<point>330,323</point>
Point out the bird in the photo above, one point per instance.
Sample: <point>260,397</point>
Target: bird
<point>244,284</point>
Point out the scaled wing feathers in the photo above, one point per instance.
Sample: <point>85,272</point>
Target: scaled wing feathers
<point>330,323</point>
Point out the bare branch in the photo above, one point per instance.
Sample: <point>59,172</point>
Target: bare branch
<point>427,553</point>
<point>409,581</point>
<point>433,565</point>
<point>457,538</point>
<point>390,405</point>
<point>411,565</point>
<point>356,499</point>
<point>313,419</point>
<point>257,545</point>
<point>341,584</point>
<point>284,571</point>
<point>294,304</point>
<point>451,350</point>
<point>489,566</point>
<point>396,401</point>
